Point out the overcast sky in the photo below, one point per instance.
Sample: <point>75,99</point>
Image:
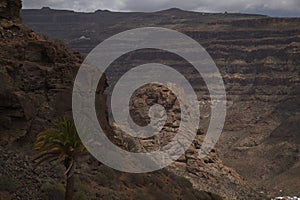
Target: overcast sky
<point>269,7</point>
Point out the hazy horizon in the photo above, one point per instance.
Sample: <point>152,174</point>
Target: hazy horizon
<point>276,8</point>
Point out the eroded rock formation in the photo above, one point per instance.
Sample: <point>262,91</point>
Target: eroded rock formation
<point>209,173</point>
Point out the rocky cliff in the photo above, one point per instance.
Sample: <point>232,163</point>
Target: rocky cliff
<point>209,173</point>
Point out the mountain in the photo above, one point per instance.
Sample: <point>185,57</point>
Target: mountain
<point>71,26</point>
<point>258,57</point>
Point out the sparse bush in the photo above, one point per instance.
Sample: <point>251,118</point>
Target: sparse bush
<point>158,195</point>
<point>80,196</point>
<point>205,195</point>
<point>154,180</point>
<point>102,180</point>
<point>82,190</point>
<point>167,173</point>
<point>46,37</point>
<point>113,196</point>
<point>108,172</point>
<point>59,42</point>
<point>188,195</point>
<point>133,180</point>
<point>140,195</point>
<point>53,191</point>
<point>106,176</point>
<point>81,187</point>
<point>8,183</point>
<point>5,195</point>
<point>183,182</point>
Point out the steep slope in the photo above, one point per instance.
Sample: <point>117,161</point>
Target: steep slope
<point>258,57</point>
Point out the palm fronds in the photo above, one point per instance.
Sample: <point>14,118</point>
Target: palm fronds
<point>61,143</point>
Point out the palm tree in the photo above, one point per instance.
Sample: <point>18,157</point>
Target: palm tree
<point>61,144</point>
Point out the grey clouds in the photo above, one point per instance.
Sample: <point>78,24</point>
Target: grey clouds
<point>268,7</point>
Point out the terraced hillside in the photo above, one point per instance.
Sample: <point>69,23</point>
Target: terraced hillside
<point>259,58</point>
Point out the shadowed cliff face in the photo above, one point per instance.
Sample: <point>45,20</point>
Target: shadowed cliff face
<point>258,57</point>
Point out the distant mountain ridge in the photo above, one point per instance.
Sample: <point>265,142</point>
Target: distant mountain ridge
<point>70,26</point>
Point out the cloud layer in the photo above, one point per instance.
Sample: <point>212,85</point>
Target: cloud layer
<point>269,7</point>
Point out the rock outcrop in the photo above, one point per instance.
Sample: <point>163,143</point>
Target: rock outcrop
<point>36,78</point>
<point>208,174</point>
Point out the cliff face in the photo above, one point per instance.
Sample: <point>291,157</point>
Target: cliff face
<point>209,173</point>
<point>258,57</point>
<point>36,78</point>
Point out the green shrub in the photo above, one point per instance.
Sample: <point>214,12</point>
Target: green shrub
<point>53,191</point>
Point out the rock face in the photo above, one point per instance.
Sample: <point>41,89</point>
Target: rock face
<point>206,174</point>
<point>10,9</point>
<point>258,57</point>
<point>36,78</point>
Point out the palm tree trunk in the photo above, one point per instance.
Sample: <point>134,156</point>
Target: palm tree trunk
<point>70,188</point>
<point>70,183</point>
